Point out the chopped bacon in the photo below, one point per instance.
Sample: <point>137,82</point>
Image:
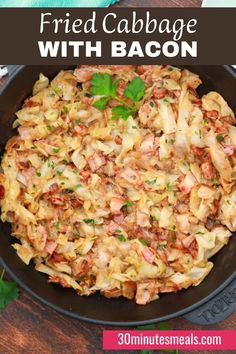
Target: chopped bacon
<point>188,182</point>
<point>23,165</point>
<point>2,192</point>
<point>228,119</point>
<point>121,87</point>
<point>59,201</point>
<point>81,268</point>
<point>76,202</point>
<point>129,289</point>
<point>96,161</point>
<point>147,143</point>
<point>112,227</point>
<point>145,292</point>
<point>54,188</point>
<point>131,176</point>
<point>163,256</point>
<point>208,170</point>
<point>50,247</point>
<point>116,204</point>
<point>85,175</point>
<point>81,129</point>
<point>228,149</point>
<point>57,258</point>
<point>159,93</point>
<point>148,254</point>
<point>211,114</point>
<point>142,219</point>
<point>119,219</point>
<point>110,293</point>
<point>188,240</point>
<point>30,103</point>
<point>141,69</point>
<point>197,151</point>
<point>118,140</point>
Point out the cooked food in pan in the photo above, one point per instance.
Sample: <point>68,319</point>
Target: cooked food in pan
<point>121,179</point>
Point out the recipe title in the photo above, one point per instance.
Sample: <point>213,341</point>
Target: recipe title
<point>117,36</point>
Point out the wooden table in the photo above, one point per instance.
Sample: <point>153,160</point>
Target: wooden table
<point>28,327</point>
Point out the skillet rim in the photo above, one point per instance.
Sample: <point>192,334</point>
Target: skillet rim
<point>10,79</point>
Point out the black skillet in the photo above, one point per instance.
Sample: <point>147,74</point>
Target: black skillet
<point>208,303</point>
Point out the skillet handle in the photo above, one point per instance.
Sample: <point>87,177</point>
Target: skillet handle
<point>217,309</point>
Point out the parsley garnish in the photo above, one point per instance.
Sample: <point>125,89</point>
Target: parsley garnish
<point>8,292</point>
<point>220,137</point>
<point>58,225</point>
<point>151,182</point>
<point>128,203</point>
<point>90,221</point>
<point>65,109</point>
<point>143,242</point>
<point>135,90</point>
<point>56,150</point>
<point>104,85</point>
<point>169,187</point>
<point>38,174</point>
<point>33,147</point>
<point>122,238</point>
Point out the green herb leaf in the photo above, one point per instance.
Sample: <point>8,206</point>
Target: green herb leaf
<point>151,182</point>
<point>101,103</point>
<point>90,221</point>
<point>143,242</point>
<point>65,109</point>
<point>220,137</point>
<point>102,84</point>
<point>120,112</point>
<point>8,292</point>
<point>57,225</point>
<point>56,150</point>
<point>122,238</point>
<point>38,174</point>
<point>33,147</point>
<point>169,187</point>
<point>135,90</point>
<point>118,231</point>
<point>128,203</point>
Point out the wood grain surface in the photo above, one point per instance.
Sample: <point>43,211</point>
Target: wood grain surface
<point>28,327</point>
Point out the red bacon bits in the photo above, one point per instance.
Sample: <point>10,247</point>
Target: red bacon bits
<point>2,192</point>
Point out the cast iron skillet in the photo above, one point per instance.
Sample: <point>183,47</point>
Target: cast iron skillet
<point>120,311</point>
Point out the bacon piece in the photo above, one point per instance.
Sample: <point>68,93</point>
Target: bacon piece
<point>50,247</point>
<point>57,279</point>
<point>197,151</point>
<point>119,219</point>
<point>145,292</point>
<point>211,114</point>
<point>2,192</point>
<point>142,219</point>
<point>85,175</point>
<point>23,165</point>
<point>188,182</point>
<point>112,293</point>
<point>59,201</point>
<point>116,204</point>
<point>228,119</point>
<point>54,188</point>
<point>96,161</point>
<point>129,289</point>
<point>147,143</point>
<point>208,170</point>
<point>81,130</point>
<point>159,93</point>
<point>148,254</point>
<point>118,140</point>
